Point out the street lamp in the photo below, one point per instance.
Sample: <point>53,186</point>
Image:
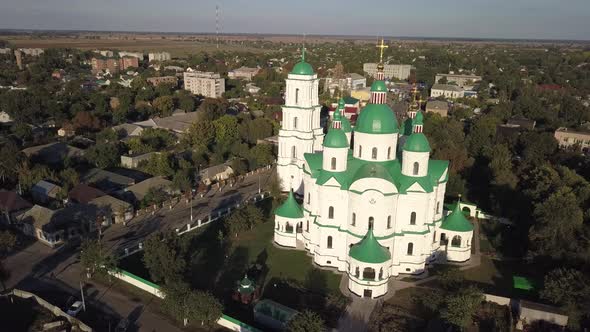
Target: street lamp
<point>191,202</point>
<point>259,183</point>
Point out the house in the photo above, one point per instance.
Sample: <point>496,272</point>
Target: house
<point>178,123</point>
<point>128,130</point>
<point>83,193</point>
<point>351,107</point>
<point>113,210</point>
<point>53,153</point>
<point>10,204</point>
<point>58,74</point>
<point>133,161</point>
<point>569,137</point>
<point>522,123</point>
<point>465,81</point>
<point>54,227</point>
<point>44,191</point>
<point>138,191</point>
<point>216,173</point>
<point>155,81</point>
<point>5,118</point>
<point>243,72</point>
<point>438,107</point>
<point>67,130</point>
<point>447,91</point>
<point>106,181</point>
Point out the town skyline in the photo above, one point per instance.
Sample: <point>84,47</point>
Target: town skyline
<point>457,19</point>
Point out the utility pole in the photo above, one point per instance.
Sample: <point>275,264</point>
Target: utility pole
<point>82,293</point>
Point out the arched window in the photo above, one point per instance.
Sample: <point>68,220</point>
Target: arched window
<point>295,123</point>
<point>288,228</point>
<point>329,242</point>
<point>437,207</point>
<point>357,272</point>
<point>381,274</point>
<point>456,241</point>
<point>293,152</point>
<point>278,226</point>
<point>389,152</point>
<point>331,212</point>
<point>307,226</point>
<point>333,163</point>
<point>388,222</point>
<point>369,273</point>
<point>360,151</point>
<point>371,220</point>
<point>434,237</point>
<point>308,198</point>
<point>374,153</point>
<point>416,168</point>
<point>443,239</point>
<point>413,218</point>
<point>353,223</point>
<point>297,96</point>
<point>410,251</point>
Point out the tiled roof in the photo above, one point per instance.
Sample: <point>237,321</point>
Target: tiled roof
<point>11,201</point>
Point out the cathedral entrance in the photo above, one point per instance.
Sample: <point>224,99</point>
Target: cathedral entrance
<point>368,293</point>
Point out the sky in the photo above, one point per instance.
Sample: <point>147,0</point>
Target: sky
<point>527,19</point>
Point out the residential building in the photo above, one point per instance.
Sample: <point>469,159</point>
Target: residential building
<point>10,204</point>
<point>105,53</point>
<point>252,89</point>
<point>467,82</point>
<point>208,84</point>
<point>400,72</point>
<point>246,73</point>
<point>5,50</point>
<point>128,130</point>
<point>128,62</point>
<point>45,191</point>
<point>438,106</point>
<point>155,81</point>
<point>112,210</point>
<point>362,95</point>
<point>352,81</point>
<point>66,131</point>
<point>301,131</point>
<point>159,56</point>
<point>569,137</point>
<point>106,181</point>
<point>83,193</point>
<point>53,153</point>
<point>137,192</point>
<point>523,123</point>
<point>216,173</point>
<point>133,161</point>
<point>138,55</point>
<point>18,54</point>
<point>178,123</point>
<point>32,51</point>
<point>352,108</point>
<point>101,64</point>
<point>447,91</point>
<point>367,212</point>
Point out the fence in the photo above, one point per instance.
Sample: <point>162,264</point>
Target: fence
<point>225,320</point>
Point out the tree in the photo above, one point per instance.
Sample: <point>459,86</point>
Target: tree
<point>191,306</point>
<point>253,215</point>
<point>84,121</point>
<point>164,258</point>
<point>11,157</point>
<point>158,165</point>
<point>306,321</point>
<point>181,182</point>
<point>186,103</point>
<point>96,259</point>
<point>164,89</point>
<point>460,307</point>
<point>261,155</point>
<point>22,130</point>
<point>226,130</point>
<point>568,288</point>
<point>211,109</point>
<point>164,105</point>
<point>201,134</point>
<point>103,155</point>
<point>154,196</point>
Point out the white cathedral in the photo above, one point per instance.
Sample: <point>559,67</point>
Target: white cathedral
<point>372,208</point>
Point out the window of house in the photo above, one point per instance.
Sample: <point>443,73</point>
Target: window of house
<point>456,241</point>
<point>369,273</point>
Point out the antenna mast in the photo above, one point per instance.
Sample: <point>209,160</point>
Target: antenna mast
<point>217,12</point>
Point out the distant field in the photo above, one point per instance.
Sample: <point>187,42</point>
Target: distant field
<point>177,48</point>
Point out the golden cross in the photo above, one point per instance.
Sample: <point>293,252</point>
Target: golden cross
<point>381,47</point>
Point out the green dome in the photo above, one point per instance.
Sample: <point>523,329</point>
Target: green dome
<point>407,127</point>
<point>456,221</point>
<point>417,142</point>
<point>378,86</point>
<point>377,119</point>
<point>346,127</point>
<point>369,250</point>
<point>302,68</point>
<point>290,208</point>
<point>335,138</point>
<point>372,170</point>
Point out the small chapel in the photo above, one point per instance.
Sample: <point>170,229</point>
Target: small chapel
<point>372,196</point>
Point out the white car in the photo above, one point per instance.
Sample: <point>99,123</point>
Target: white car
<point>75,308</point>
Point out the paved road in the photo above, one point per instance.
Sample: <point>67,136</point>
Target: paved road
<point>56,274</point>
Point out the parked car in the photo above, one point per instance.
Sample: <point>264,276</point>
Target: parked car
<point>75,308</point>
<point>123,325</point>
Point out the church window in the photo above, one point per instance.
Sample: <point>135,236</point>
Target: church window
<point>297,96</point>
<point>369,273</point>
<point>307,226</point>
<point>434,237</point>
<point>360,151</point>
<point>333,163</point>
<point>295,120</point>
<point>413,218</point>
<point>388,222</point>
<point>329,242</point>
<point>443,239</point>
<point>293,152</point>
<point>331,212</point>
<point>353,219</point>
<point>437,207</point>
<point>371,221</point>
<point>410,251</point>
<point>416,168</point>
<point>357,272</point>
<point>308,198</point>
<point>288,228</point>
<point>381,274</point>
<point>374,153</point>
<point>389,152</point>
<point>456,241</point>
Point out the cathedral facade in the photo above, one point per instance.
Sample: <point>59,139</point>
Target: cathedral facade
<point>372,197</point>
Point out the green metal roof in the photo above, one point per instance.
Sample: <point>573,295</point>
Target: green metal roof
<point>376,119</point>
<point>290,208</point>
<point>346,126</point>
<point>369,250</point>
<point>246,286</point>
<point>417,142</point>
<point>407,127</point>
<point>378,86</point>
<point>350,100</point>
<point>456,221</point>
<point>302,68</point>
<point>387,170</point>
<point>335,138</point>
<point>419,119</point>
